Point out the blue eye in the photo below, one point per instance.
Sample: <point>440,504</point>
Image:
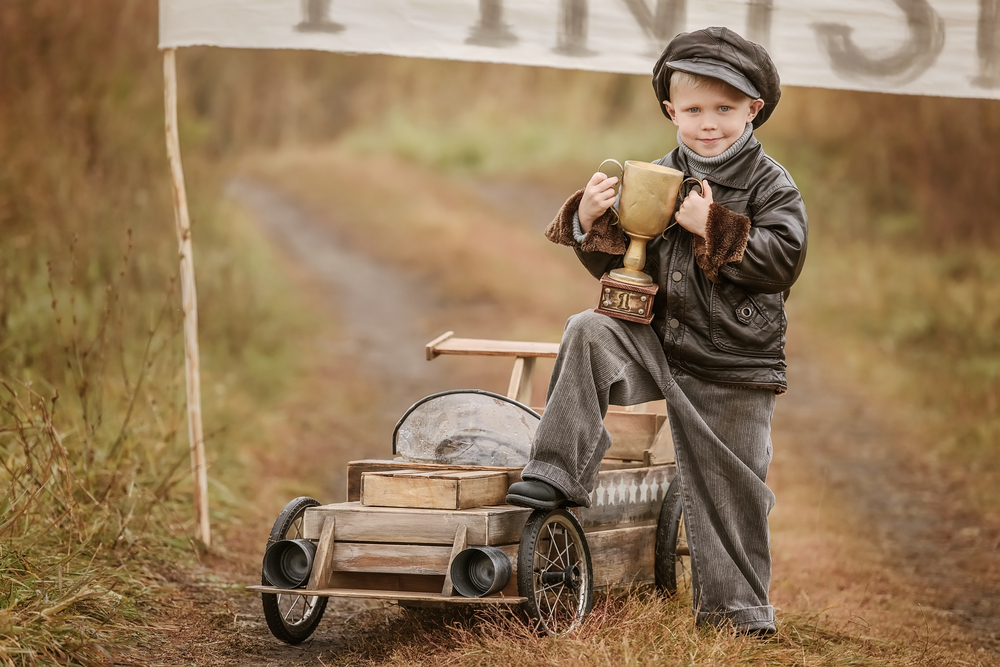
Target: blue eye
<point>725,108</point>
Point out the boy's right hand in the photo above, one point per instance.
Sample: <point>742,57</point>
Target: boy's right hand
<point>597,197</point>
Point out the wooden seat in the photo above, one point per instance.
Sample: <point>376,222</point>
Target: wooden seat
<point>524,353</point>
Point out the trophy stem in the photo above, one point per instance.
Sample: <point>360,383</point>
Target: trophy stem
<point>635,260</point>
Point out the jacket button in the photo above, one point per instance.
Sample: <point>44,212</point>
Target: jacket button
<point>674,323</point>
<point>677,276</point>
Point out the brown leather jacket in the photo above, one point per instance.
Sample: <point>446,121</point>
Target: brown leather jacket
<point>720,307</point>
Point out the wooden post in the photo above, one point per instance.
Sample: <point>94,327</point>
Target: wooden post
<point>189,301</point>
<point>520,380</point>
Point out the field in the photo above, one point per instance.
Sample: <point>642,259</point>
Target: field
<point>886,468</point>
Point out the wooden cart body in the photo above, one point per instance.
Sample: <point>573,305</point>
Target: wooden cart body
<point>399,553</point>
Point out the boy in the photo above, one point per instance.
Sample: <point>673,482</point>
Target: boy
<point>715,347</point>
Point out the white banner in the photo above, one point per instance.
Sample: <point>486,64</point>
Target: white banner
<point>945,47</point>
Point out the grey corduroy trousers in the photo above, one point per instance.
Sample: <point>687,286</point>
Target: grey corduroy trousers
<point>722,442</point>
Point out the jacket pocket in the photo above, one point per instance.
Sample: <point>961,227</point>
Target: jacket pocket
<point>751,325</point>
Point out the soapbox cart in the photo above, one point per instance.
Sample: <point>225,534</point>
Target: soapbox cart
<point>430,527</point>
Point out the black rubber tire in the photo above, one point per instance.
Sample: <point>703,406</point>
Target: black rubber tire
<point>672,561</point>
<point>550,540</point>
<point>278,608</point>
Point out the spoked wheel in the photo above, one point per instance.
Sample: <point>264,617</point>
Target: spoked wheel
<point>554,571</point>
<point>291,618</point>
<point>672,556</point>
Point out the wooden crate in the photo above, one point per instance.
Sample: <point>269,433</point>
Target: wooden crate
<point>355,469</point>
<point>447,490</point>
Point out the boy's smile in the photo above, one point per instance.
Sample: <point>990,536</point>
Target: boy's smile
<point>710,119</point>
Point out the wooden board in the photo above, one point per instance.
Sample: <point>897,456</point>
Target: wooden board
<point>357,523</point>
<point>461,542</point>
<point>433,489</point>
<point>357,468</point>
<point>323,560</point>
<point>389,594</point>
<point>420,559</point>
<point>447,344</point>
<point>633,495</point>
<point>622,556</point>
<point>414,583</point>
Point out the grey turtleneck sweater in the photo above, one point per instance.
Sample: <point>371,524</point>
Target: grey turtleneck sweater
<point>700,167</point>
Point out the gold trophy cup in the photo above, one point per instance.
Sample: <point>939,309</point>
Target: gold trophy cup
<point>648,196</point>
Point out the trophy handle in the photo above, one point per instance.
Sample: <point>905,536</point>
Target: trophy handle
<point>683,192</point>
<point>620,179</point>
<point>690,180</point>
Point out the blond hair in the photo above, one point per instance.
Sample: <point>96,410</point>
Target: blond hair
<point>690,81</point>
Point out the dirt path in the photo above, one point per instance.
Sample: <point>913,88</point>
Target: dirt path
<point>861,539</point>
<point>387,314</point>
<point>912,558</point>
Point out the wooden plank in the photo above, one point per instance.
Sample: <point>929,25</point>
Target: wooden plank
<point>618,464</point>
<point>632,495</point>
<point>390,594</point>
<point>422,559</point>
<point>323,562</point>
<point>495,348</point>
<point>356,468</point>
<point>357,523</point>
<point>461,541</point>
<point>623,556</point>
<point>447,489</point>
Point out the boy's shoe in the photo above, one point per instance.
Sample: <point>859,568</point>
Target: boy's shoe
<point>762,634</point>
<point>537,495</point>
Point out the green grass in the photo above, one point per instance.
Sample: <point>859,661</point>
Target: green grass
<point>522,146</point>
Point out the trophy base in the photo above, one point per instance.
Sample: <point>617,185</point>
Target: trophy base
<point>625,301</point>
<point>630,277</point>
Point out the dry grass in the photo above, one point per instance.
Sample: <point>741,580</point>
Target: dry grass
<point>633,628</point>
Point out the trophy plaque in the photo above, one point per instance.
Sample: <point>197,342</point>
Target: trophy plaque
<point>647,199</point>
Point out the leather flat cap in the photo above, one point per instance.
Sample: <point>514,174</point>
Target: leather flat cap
<point>721,54</point>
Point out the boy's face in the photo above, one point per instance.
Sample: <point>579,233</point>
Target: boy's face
<point>710,119</point>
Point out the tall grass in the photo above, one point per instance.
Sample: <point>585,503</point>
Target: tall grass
<point>94,485</point>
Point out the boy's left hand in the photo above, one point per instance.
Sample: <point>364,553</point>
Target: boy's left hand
<point>692,214</point>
